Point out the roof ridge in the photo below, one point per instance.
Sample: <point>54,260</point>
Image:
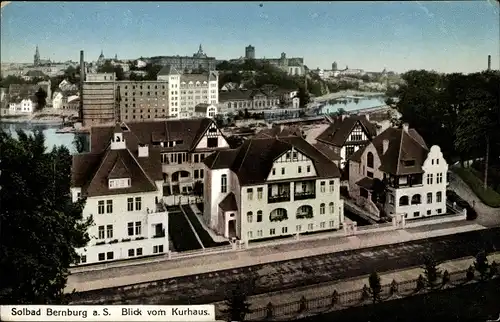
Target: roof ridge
<point>100,165</point>
<point>245,155</point>
<point>140,167</point>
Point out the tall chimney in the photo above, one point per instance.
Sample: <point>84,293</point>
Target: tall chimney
<point>489,62</point>
<point>82,80</point>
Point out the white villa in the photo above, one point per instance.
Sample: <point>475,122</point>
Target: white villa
<point>270,187</point>
<point>122,183</point>
<point>22,106</point>
<point>414,176</point>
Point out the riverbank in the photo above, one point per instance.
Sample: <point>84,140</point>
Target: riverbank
<point>47,116</point>
<point>26,120</point>
<point>348,93</point>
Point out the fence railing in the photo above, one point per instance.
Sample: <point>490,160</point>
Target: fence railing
<point>342,300</point>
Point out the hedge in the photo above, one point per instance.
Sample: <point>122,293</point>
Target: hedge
<point>488,196</point>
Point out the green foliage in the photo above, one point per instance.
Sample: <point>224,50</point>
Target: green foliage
<point>431,271</point>
<point>80,143</point>
<point>41,99</point>
<point>481,265</point>
<point>152,71</point>
<point>9,80</point>
<point>488,196</point>
<point>234,141</point>
<point>41,226</point>
<point>375,287</point>
<point>107,67</point>
<point>303,96</point>
<point>237,306</point>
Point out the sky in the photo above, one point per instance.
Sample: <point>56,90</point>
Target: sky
<point>446,36</point>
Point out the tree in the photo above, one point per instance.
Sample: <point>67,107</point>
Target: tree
<point>198,189</point>
<point>303,96</point>
<point>41,99</point>
<point>152,71</point>
<point>431,271</point>
<point>41,226</point>
<point>379,191</point>
<point>234,141</point>
<point>481,265</point>
<point>107,67</point>
<point>80,143</point>
<point>237,306</point>
<point>375,287</point>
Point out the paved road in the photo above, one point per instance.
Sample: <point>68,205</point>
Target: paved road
<point>210,287</point>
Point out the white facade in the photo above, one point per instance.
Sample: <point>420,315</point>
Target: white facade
<point>291,201</point>
<point>57,100</point>
<point>24,106</point>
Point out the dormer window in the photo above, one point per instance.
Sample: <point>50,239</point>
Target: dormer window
<point>118,138</point>
<point>119,183</point>
<point>409,163</point>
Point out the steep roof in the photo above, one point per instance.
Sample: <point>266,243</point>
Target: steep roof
<point>253,160</point>
<point>168,70</point>
<point>405,153</point>
<point>278,131</point>
<point>201,108</point>
<point>187,133</point>
<point>327,150</point>
<point>338,132</point>
<point>229,203</point>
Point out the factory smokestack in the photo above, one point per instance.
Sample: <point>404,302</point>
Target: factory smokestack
<point>82,79</point>
<point>489,62</point>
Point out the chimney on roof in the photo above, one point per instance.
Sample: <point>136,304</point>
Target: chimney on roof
<point>143,151</point>
<point>343,116</point>
<point>367,116</point>
<point>282,127</point>
<point>489,62</point>
<point>82,80</point>
<point>385,146</point>
<point>405,127</point>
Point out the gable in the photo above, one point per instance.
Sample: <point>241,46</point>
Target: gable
<point>291,164</point>
<point>211,133</point>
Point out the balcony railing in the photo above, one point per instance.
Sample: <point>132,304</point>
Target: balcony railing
<point>304,195</point>
<point>278,198</point>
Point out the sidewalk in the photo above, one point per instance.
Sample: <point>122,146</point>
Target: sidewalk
<point>152,271</point>
<point>354,284</point>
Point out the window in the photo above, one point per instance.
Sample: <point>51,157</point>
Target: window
<point>212,142</point>
<point>348,151</point>
<point>274,171</point>
<point>100,207</point>
<point>83,259</point>
<point>196,175</point>
<point>416,199</point>
<point>137,203</point>
<point>288,155</point>
<point>416,214</point>
<point>109,255</point>
<point>250,193</point>
<point>429,197</point>
<point>272,231</point>
<point>138,251</point>
<point>332,207</point>
<point>138,228</point>
<point>157,249</point>
<point>310,226</point>
<point>369,160</point>
<point>131,252</point>
<point>369,174</point>
<point>284,230</point>
<point>295,155</point>
<point>322,224</point>
<point>439,178</point>
<point>437,161</point>
<point>249,234</point>
<point>308,168</point>
<point>259,233</point>
<point>322,187</point>
<point>429,178</point>
<point>130,228</point>
<point>223,183</point>
<point>282,170</point>
<point>299,169</point>
<point>322,209</point>
<point>78,195</point>
<point>403,201</point>
<point>332,223</point>
<point>259,193</point>
<point>429,212</point>
<point>259,216</point>
<point>101,232</point>
<point>439,210</point>
<point>109,231</point>
<point>201,173</point>
<point>130,204</point>
<point>249,216</point>
<point>196,158</point>
<point>298,228</point>
<point>438,196</point>
<point>101,256</point>
<point>332,185</point>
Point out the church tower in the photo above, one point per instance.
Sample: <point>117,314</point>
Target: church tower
<point>36,59</point>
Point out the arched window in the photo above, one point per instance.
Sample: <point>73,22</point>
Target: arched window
<point>278,214</point>
<point>305,211</point>
<point>223,183</point>
<point>416,199</point>
<point>259,216</point>
<point>332,207</point>
<point>322,209</point>
<point>403,201</point>
<point>369,160</point>
<point>249,216</point>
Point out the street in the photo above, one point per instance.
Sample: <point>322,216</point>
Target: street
<point>210,287</point>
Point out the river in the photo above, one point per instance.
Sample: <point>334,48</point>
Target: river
<point>351,104</point>
<point>51,137</point>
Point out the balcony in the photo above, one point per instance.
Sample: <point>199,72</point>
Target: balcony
<point>304,195</point>
<point>278,198</point>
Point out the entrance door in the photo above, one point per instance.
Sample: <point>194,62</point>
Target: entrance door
<point>232,228</point>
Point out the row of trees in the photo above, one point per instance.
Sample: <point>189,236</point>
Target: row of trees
<point>458,112</point>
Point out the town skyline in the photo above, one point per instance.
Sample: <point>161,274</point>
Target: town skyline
<point>440,36</point>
